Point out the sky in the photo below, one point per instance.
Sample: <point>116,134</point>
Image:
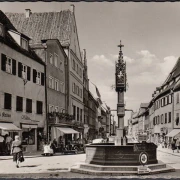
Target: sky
<point>150,33</point>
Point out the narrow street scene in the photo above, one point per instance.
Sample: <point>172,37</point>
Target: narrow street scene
<point>89,90</point>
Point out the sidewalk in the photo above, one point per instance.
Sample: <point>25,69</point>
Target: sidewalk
<point>168,151</point>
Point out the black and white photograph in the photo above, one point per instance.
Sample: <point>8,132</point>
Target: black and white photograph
<point>89,90</point>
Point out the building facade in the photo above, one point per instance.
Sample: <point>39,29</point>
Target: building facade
<point>22,91</point>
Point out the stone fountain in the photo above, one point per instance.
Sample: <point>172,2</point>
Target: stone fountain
<point>120,157</point>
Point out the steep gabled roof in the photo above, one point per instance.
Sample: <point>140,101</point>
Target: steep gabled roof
<point>9,41</point>
<point>45,25</point>
<point>174,73</point>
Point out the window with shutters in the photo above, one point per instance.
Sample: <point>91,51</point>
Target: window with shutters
<point>162,119</point>
<point>8,64</point>
<point>38,77</point>
<point>77,114</point>
<point>169,117</point>
<point>19,103</point>
<point>29,105</point>
<point>81,115</point>
<point>165,118</point>
<point>56,85</point>
<point>24,71</point>
<point>39,107</point>
<point>7,101</point>
<point>51,82</point>
<point>74,112</point>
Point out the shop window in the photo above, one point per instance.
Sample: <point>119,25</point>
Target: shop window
<point>28,137</point>
<point>7,101</point>
<point>39,107</point>
<point>8,65</point>
<point>19,103</point>
<point>29,105</point>
<point>169,117</point>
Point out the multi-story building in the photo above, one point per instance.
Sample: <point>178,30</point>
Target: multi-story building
<point>22,90</point>
<point>60,26</point>
<point>164,108</point>
<point>86,96</point>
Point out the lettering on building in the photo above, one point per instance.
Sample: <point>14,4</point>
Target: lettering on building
<point>25,117</point>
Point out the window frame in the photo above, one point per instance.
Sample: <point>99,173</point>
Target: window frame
<point>28,105</point>
<point>7,102</point>
<point>56,60</point>
<point>56,84</point>
<point>19,109</point>
<point>51,58</point>
<point>52,82</point>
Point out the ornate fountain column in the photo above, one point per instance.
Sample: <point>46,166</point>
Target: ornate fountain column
<point>120,76</point>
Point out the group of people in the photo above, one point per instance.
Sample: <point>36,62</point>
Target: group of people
<point>50,148</point>
<point>175,144</point>
<point>5,144</point>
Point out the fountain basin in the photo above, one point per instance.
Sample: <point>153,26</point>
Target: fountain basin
<point>111,155</point>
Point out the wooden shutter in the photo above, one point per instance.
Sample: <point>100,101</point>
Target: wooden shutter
<point>34,75</point>
<point>3,62</point>
<point>13,66</point>
<point>28,73</point>
<point>42,79</point>
<point>19,69</point>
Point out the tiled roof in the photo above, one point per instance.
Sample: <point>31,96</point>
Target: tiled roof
<point>46,25</point>
<point>6,22</point>
<point>9,41</point>
<point>174,73</point>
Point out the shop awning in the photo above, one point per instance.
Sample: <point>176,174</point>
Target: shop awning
<point>173,133</point>
<point>9,127</point>
<point>29,126</point>
<point>67,130</point>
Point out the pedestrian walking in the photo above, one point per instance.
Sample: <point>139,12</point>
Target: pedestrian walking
<point>173,145</point>
<point>177,144</point>
<point>8,143</point>
<point>16,151</point>
<point>1,144</point>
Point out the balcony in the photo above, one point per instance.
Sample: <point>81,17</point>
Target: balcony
<point>56,118</point>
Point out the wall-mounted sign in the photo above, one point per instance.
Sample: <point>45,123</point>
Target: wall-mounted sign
<point>4,114</point>
<point>25,117</point>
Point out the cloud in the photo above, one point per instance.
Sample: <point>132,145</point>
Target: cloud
<point>145,72</point>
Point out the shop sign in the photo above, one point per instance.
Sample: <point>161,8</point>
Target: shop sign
<point>4,114</point>
<point>25,117</point>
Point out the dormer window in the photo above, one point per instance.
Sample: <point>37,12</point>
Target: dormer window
<point>1,30</point>
<point>24,43</point>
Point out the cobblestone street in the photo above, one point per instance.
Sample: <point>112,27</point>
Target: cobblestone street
<point>36,166</point>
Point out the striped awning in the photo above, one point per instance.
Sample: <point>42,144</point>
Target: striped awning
<point>9,127</point>
<point>67,130</point>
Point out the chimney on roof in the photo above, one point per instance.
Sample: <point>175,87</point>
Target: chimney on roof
<point>72,8</point>
<point>28,13</point>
